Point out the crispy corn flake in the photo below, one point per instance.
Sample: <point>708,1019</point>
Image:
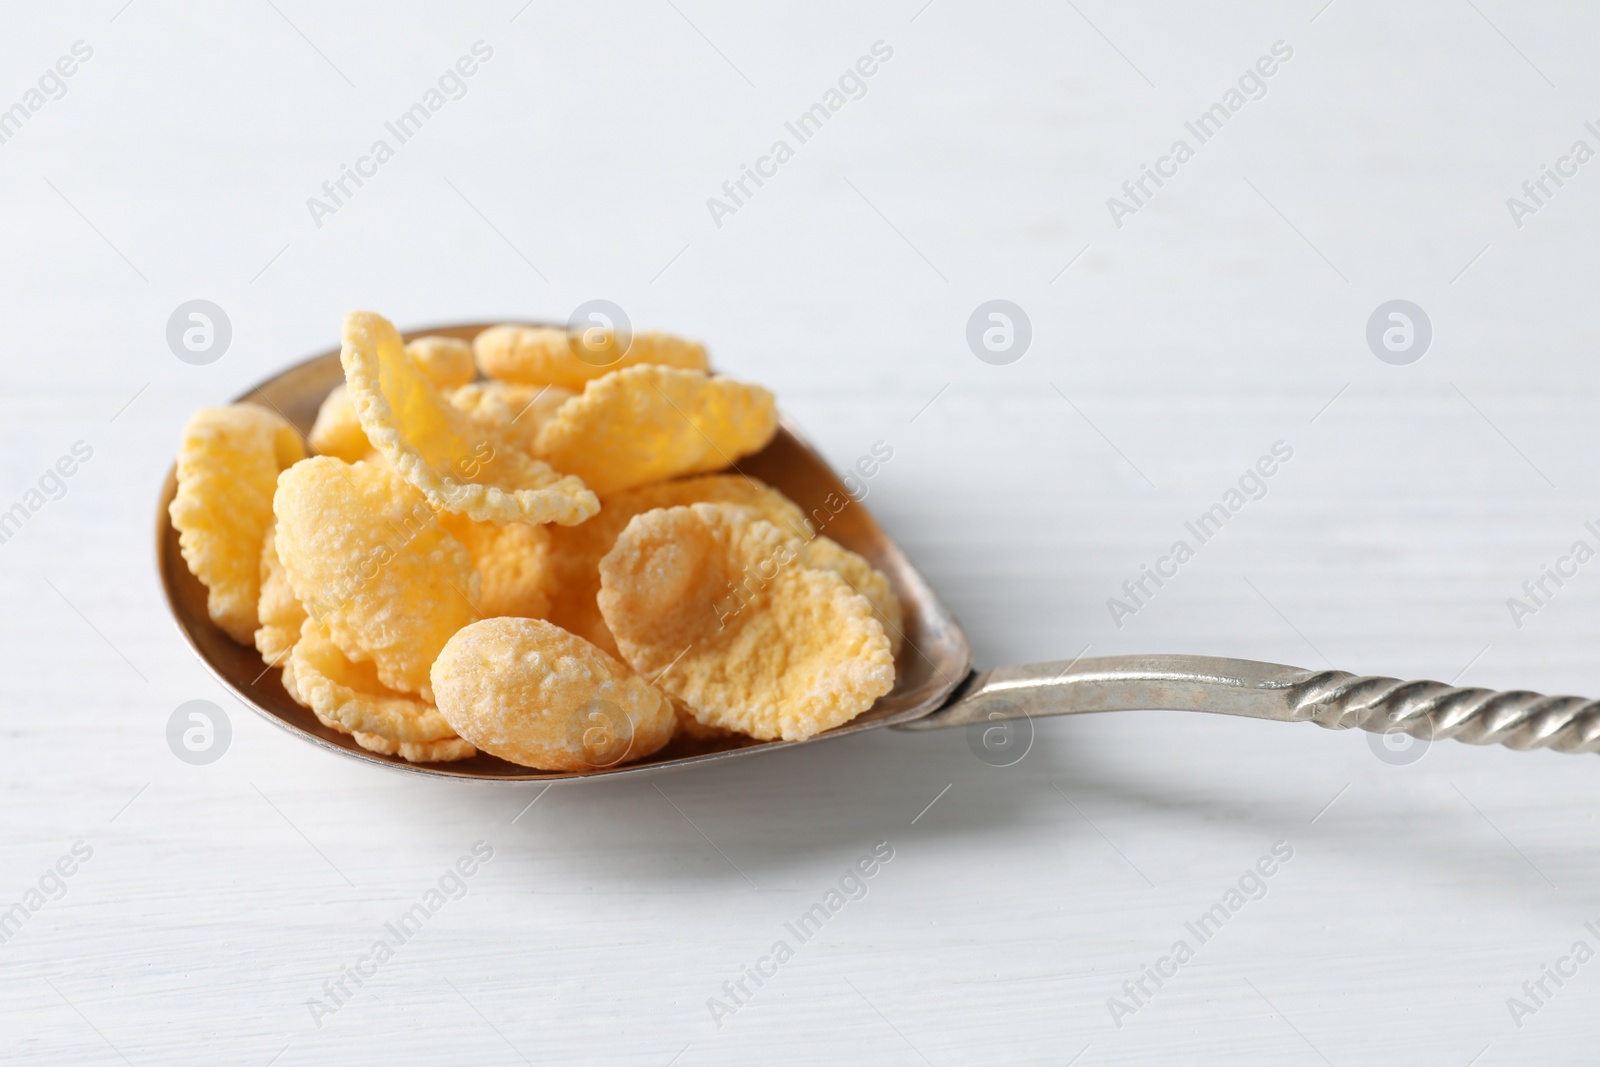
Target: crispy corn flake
<point>446,751</point>
<point>348,696</point>
<point>689,726</point>
<point>720,610</point>
<point>365,554</point>
<point>864,578</point>
<point>515,412</point>
<point>288,680</point>
<point>513,560</point>
<point>544,355</point>
<point>228,467</point>
<point>337,431</point>
<point>445,361</point>
<point>458,465</point>
<point>649,423</point>
<point>534,694</point>
<point>575,551</point>
<point>278,610</point>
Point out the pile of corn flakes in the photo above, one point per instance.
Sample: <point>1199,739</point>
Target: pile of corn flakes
<point>520,545</point>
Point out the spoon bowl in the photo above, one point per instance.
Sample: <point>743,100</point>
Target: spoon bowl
<point>935,659</point>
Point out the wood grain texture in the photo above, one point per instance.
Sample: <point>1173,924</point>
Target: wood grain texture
<point>1168,354</point>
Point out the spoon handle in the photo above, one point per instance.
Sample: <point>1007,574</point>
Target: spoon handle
<point>1337,700</point>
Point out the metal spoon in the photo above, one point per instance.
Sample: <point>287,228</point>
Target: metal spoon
<point>935,685</point>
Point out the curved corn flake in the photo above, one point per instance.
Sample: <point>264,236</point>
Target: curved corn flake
<point>515,412</point>
<point>337,431</point>
<point>457,464</point>
<point>365,553</point>
<point>348,696</point>
<point>720,610</point>
<point>288,680</point>
<point>545,355</point>
<point>279,610</point>
<point>228,466</point>
<point>865,579</point>
<point>531,693</point>
<point>575,551</point>
<point>649,423</point>
<point>445,361</point>
<point>513,560</point>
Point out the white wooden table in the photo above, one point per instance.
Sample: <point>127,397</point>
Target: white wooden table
<point>1227,313</point>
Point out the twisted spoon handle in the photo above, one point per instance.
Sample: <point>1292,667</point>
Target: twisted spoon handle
<point>1337,700</point>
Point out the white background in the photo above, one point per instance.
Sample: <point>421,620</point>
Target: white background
<point>1224,316</point>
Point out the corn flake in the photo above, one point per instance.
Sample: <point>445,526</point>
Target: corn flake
<point>649,423</point>
<point>445,751</point>
<point>337,431</point>
<point>365,554</point>
<point>534,694</point>
<point>348,696</point>
<point>865,579</point>
<point>458,465</point>
<point>545,355</point>
<point>575,551</point>
<point>445,361</point>
<point>720,610</point>
<point>513,561</point>
<point>278,610</point>
<point>515,412</point>
<point>228,467</point>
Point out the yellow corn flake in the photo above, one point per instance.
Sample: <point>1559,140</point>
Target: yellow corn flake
<point>446,751</point>
<point>649,423</point>
<point>445,361</point>
<point>534,694</point>
<point>544,355</point>
<point>689,726</point>
<point>349,697</point>
<point>288,680</point>
<point>458,465</point>
<point>865,579</point>
<point>365,554</point>
<point>513,561</point>
<point>575,551</point>
<point>720,610</point>
<point>337,431</point>
<point>228,467</point>
<point>279,610</point>
<point>515,412</point>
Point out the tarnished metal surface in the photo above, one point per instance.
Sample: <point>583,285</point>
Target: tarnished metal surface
<point>1334,699</point>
